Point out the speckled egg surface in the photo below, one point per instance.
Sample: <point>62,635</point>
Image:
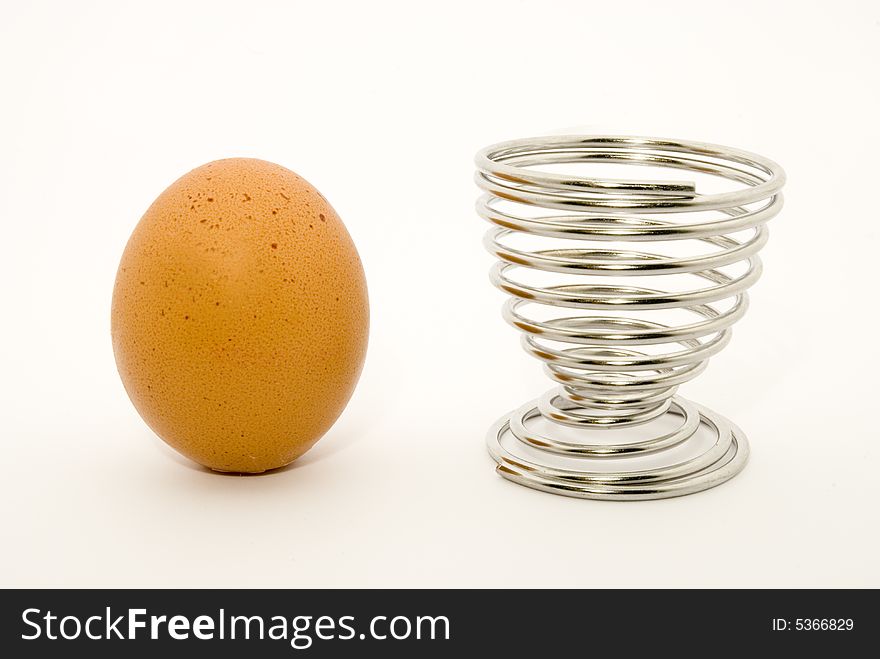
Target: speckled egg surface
<point>240,315</point>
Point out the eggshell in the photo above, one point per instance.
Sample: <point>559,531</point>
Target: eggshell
<point>240,315</point>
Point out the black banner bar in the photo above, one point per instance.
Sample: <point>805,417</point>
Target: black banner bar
<point>429,623</point>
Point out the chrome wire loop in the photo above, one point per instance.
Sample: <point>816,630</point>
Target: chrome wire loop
<point>608,340</point>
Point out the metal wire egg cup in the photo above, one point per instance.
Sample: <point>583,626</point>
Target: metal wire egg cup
<point>617,363</point>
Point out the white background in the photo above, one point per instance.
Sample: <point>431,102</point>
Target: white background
<point>382,105</point>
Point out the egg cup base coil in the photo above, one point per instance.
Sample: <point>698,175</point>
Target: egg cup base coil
<point>721,462</point>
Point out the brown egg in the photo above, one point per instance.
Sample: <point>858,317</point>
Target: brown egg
<point>240,316</point>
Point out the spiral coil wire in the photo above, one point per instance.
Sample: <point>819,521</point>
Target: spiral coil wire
<point>617,359</point>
